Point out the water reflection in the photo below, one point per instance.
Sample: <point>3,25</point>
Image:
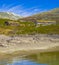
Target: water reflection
<point>51,58</point>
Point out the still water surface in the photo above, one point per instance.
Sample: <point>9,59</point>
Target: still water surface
<point>51,58</point>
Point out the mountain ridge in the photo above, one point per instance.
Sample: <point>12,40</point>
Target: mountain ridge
<point>48,15</point>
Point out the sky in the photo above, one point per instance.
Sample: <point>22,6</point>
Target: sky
<point>27,7</point>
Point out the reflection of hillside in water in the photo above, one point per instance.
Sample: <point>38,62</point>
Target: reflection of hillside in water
<point>51,58</point>
<point>41,58</point>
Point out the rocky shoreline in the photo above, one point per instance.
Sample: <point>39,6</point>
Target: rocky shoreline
<point>40,42</point>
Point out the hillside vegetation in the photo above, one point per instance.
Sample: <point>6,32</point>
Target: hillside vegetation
<point>27,25</point>
<point>27,29</point>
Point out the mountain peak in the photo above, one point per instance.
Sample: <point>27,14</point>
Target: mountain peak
<point>9,15</point>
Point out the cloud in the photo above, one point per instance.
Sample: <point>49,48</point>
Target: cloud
<point>5,8</point>
<point>14,8</point>
<point>21,10</point>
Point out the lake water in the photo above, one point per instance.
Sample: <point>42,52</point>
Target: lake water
<point>50,58</point>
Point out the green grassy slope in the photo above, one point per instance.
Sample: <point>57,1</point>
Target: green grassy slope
<point>29,28</point>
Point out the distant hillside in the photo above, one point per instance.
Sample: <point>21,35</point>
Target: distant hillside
<point>49,15</point>
<point>52,15</point>
<point>7,15</point>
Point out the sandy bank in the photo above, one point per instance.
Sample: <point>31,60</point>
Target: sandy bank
<point>9,44</point>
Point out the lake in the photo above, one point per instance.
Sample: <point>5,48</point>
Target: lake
<point>46,58</point>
